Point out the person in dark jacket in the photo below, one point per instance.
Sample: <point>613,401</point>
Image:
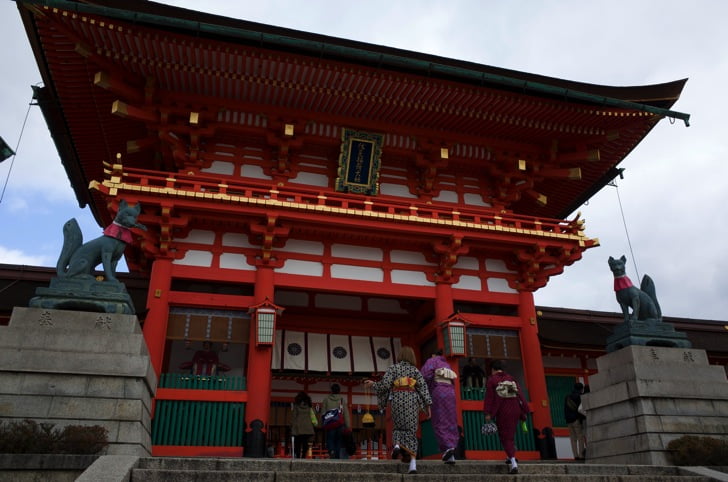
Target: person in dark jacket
<point>575,421</point>
<point>301,424</point>
<point>334,437</point>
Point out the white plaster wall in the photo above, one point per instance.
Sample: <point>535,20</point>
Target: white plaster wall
<point>195,258</point>
<point>311,179</point>
<point>251,170</point>
<point>220,167</point>
<point>409,257</point>
<point>236,240</point>
<point>301,246</point>
<point>499,285</point>
<point>447,197</point>
<point>398,190</point>
<point>361,273</point>
<point>416,278</point>
<point>356,252</point>
<point>198,236</point>
<point>472,199</point>
<point>235,261</point>
<point>467,262</point>
<point>307,268</point>
<point>467,282</point>
<point>497,266</point>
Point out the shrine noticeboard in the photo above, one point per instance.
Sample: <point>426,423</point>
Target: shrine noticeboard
<point>359,162</point>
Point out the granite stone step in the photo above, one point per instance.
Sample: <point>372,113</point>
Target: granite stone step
<point>221,469</point>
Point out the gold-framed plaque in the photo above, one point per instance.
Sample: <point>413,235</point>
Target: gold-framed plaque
<point>359,162</point>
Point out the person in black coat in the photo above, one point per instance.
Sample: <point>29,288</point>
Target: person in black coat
<point>575,421</point>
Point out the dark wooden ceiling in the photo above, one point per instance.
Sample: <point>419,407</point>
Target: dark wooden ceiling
<point>168,62</point>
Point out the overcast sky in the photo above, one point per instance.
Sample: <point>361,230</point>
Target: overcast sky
<point>674,193</point>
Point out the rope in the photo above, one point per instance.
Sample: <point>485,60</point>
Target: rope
<point>626,231</point>
<point>17,144</point>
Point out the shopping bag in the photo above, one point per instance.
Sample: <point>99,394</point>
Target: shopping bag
<point>489,428</point>
<point>332,419</point>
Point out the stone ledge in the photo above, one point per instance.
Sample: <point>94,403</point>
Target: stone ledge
<point>46,461</point>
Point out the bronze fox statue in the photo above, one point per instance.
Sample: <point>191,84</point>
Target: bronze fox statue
<point>78,260</point>
<point>643,301</point>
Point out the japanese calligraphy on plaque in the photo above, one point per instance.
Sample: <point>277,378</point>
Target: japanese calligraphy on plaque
<point>359,162</point>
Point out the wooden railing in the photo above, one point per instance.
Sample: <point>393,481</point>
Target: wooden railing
<point>472,393</point>
<point>201,382</point>
<point>475,440</point>
<point>193,423</point>
<point>226,190</point>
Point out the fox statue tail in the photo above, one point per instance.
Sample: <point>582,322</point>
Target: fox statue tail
<point>72,240</point>
<point>648,286</point>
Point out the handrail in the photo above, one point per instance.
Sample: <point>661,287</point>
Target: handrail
<point>206,187</point>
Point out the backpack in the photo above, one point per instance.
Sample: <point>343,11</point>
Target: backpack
<point>506,389</point>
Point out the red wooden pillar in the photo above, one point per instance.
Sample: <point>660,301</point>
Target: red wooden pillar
<point>533,362</point>
<point>444,307</point>
<point>155,324</point>
<point>257,410</point>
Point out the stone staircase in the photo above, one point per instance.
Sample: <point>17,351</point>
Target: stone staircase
<point>158,469</point>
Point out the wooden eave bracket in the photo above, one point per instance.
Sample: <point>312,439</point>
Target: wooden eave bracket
<point>536,264</point>
<point>118,87</point>
<point>269,236</point>
<point>128,111</point>
<point>283,140</point>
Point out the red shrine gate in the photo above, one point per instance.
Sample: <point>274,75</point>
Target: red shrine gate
<point>314,197</point>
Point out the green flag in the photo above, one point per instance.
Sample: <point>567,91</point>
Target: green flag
<point>5,150</point>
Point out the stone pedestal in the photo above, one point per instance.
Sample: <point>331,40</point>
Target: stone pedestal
<point>78,368</point>
<point>84,294</point>
<point>646,332</point>
<point>645,396</point>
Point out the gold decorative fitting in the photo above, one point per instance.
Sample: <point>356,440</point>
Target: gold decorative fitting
<point>521,164</point>
<point>444,153</point>
<point>194,118</point>
<point>288,130</point>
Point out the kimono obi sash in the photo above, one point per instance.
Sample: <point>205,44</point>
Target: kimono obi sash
<point>445,375</point>
<point>404,384</point>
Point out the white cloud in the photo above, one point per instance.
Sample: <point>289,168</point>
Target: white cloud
<point>16,256</point>
<point>674,191</point>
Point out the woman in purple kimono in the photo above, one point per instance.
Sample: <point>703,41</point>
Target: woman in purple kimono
<point>403,384</point>
<point>505,403</point>
<point>441,381</point>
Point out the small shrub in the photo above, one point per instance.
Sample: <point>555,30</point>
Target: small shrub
<point>694,450</point>
<point>30,437</point>
<point>80,439</point>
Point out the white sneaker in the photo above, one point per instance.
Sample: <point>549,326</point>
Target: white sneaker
<point>447,454</point>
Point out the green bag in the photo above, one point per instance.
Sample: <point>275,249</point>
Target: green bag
<point>314,419</point>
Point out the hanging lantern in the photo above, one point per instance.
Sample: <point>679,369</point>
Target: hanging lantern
<point>264,316</point>
<point>367,420</point>
<point>454,335</point>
